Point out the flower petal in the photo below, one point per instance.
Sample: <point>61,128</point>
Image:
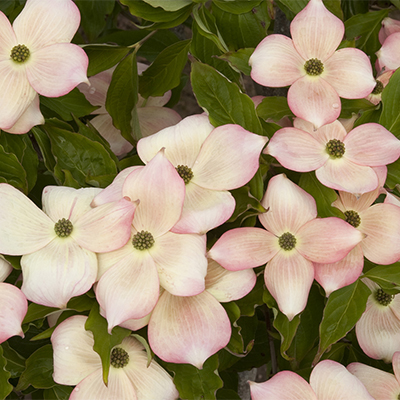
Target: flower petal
<point>154,119</point>
<point>182,329</point>
<point>7,38</point>
<point>5,268</point>
<point>275,62</point>
<point>24,227</point>
<point>388,54</point>
<point>288,277</point>
<point>55,70</point>
<point>69,270</point>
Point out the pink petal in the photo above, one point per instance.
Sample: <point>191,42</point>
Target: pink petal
<point>69,270</point>
<point>181,263</point>
<point>74,357</point>
<point>396,364</point>
<point>288,277</point>
<point>288,206</point>
<point>285,385</point>
<point>161,192</point>
<point>204,209</point>
<point>96,93</point>
<point>157,101</point>
<point>56,69</point>
<point>39,25</point>
<point>380,223</point>
<point>13,306</point>
<point>297,150</point>
<point>276,63</point>
<point>327,240</point>
<point>154,119</point>
<point>389,26</point>
<point>182,329</point>
<point>244,248</point>
<point>371,144</point>
<point>343,174</point>
<point>228,158</point>
<point>331,380</point>
<point>381,385</point>
<point>314,100</point>
<point>5,268</point>
<point>227,285</point>
<point>316,32</point>
<point>349,71</point>
<point>388,54</point>
<point>7,38</point>
<point>136,324</point>
<point>128,290</point>
<point>25,228</point>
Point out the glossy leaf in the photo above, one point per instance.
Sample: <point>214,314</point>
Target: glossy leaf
<point>11,171</point>
<point>5,386</point>
<point>355,106</point>
<point>386,276</point>
<point>15,362</point>
<point>390,117</point>
<point>287,330</point>
<point>239,59</point>
<point>274,107</point>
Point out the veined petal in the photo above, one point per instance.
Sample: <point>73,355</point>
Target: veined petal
<point>229,158</point>
<point>5,268</point>
<point>244,248</point>
<point>55,70</point>
<point>371,144</point>
<point>276,63</point>
<point>181,262</point>
<point>24,227</point>
<point>327,240</point>
<point>285,385</point>
<point>288,277</point>
<point>39,25</point>
<point>204,209</point>
<point>156,101</point>
<point>161,192</point>
<point>105,228</point>
<point>343,174</point>
<point>297,150</point>
<point>182,329</point>
<point>381,385</point>
<point>227,285</point>
<point>13,306</point>
<point>154,119</point>
<point>334,130</point>
<point>7,38</point>
<point>136,324</point>
<point>315,100</point>
<point>288,206</point>
<point>334,276</point>
<point>381,225</point>
<point>96,93</point>
<point>331,380</point>
<point>69,270</point>
<point>396,364</point>
<point>316,32</point>
<point>182,141</point>
<point>128,290</point>
<point>388,54</point>
<point>74,357</point>
<point>349,71</point>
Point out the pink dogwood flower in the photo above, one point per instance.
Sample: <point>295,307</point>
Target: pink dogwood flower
<point>389,26</point>
<point>294,239</point>
<point>76,363</point>
<point>317,73</point>
<point>329,380</point>
<point>211,161</point>
<point>382,80</point>
<point>388,54</point>
<point>341,160</point>
<point>36,57</point>
<point>59,245</point>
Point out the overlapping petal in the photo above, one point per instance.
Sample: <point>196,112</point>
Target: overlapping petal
<point>5,268</point>
<point>154,119</point>
<point>388,54</point>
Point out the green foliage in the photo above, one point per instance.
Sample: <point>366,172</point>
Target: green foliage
<point>390,117</point>
<point>274,107</point>
<point>5,386</point>
<point>386,276</point>
<point>239,59</point>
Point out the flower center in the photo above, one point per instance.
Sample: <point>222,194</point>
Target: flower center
<point>383,298</point>
<point>143,240</point>
<point>63,227</point>
<point>335,148</point>
<point>314,67</point>
<point>287,241</point>
<point>20,53</point>
<point>119,358</point>
<point>378,89</point>
<point>185,173</point>
<point>352,218</point>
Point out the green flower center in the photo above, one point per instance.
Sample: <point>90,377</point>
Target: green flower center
<point>63,227</point>
<point>383,298</point>
<point>314,67</point>
<point>20,53</point>
<point>185,173</point>
<point>352,218</point>
<point>378,89</point>
<point>119,358</point>
<point>287,241</point>
<point>143,240</point>
<point>335,148</point>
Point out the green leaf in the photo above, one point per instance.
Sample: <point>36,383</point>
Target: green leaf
<point>355,106</point>
<point>390,117</point>
<point>386,276</point>
<point>5,387</point>
<point>37,311</point>
<point>165,72</point>
<point>15,362</point>
<point>39,370</point>
<point>236,7</point>
<point>274,107</point>
<point>44,144</point>
<point>343,309</point>
<point>287,330</point>
<point>222,99</point>
<point>11,171</point>
<point>59,392</point>
<point>103,341</point>
<point>236,344</point>
<point>393,174</point>
<point>239,59</point>
<point>170,5</point>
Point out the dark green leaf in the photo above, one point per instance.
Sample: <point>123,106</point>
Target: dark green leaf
<point>37,311</point>
<point>386,276</point>
<point>44,144</point>
<point>11,171</point>
<point>5,387</point>
<point>390,117</point>
<point>287,329</point>
<point>248,303</point>
<point>274,107</point>
<point>354,106</point>
<point>58,393</point>
<point>239,59</point>
<point>237,7</point>
<point>393,174</point>
<point>15,362</point>
<point>170,5</point>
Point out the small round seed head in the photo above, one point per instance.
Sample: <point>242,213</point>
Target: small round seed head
<point>119,358</point>
<point>314,67</point>
<point>185,173</point>
<point>20,53</point>
<point>287,241</point>
<point>335,148</point>
<point>352,218</point>
<point>143,240</point>
<point>383,298</point>
<point>63,227</point>
<point>378,89</point>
